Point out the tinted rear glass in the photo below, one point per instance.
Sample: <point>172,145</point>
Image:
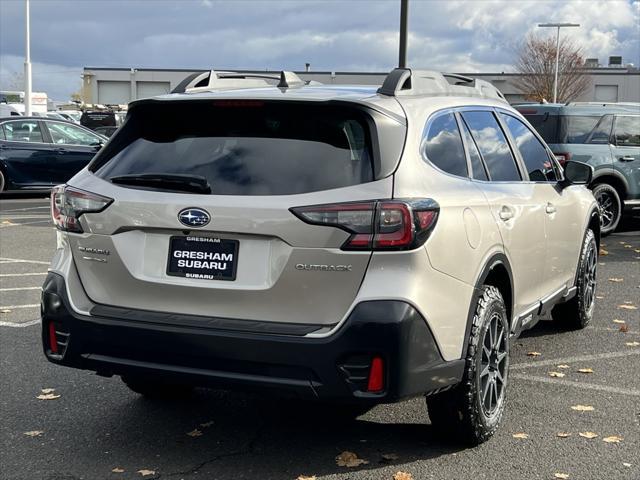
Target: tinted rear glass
<point>545,124</point>
<point>244,148</point>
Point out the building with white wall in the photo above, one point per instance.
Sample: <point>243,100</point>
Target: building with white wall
<point>121,85</point>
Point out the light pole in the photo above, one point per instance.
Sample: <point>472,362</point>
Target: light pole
<point>558,26</point>
<point>404,21</point>
<point>27,62</point>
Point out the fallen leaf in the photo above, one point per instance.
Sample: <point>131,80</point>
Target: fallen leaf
<point>389,457</point>
<point>626,464</point>
<point>349,459</point>
<point>624,328</point>
<point>612,439</point>
<point>563,434</point>
<point>583,408</point>
<point>599,297</point>
<point>5,310</point>
<point>616,280</point>
<point>561,475</point>
<point>195,433</point>
<point>533,354</point>
<point>520,435</point>
<point>588,435</point>
<point>304,477</point>
<point>627,307</point>
<point>144,472</point>
<point>603,252</point>
<point>48,390</point>
<point>637,250</point>
<point>563,366</point>
<point>402,476</point>
<point>206,424</point>
<point>117,470</point>
<point>632,344</point>
<point>615,320</point>
<point>556,374</point>
<point>48,396</point>
<point>34,433</point>
<point>628,246</point>
<point>585,370</point>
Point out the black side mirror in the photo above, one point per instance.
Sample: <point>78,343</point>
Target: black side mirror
<point>577,173</point>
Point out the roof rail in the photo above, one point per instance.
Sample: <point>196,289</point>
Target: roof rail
<point>215,80</point>
<point>604,104</point>
<point>407,82</point>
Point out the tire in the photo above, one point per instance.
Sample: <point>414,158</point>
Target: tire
<point>577,312</point>
<point>3,181</point>
<point>154,388</point>
<point>471,412</point>
<point>610,207</point>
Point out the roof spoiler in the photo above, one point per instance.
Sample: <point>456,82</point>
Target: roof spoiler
<point>214,80</point>
<point>407,82</point>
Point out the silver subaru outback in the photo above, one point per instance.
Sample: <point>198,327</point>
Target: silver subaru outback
<point>346,244</point>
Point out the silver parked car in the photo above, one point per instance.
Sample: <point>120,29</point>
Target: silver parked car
<point>342,243</point>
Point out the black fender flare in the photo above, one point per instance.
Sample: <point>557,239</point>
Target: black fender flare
<point>611,173</point>
<point>495,260</point>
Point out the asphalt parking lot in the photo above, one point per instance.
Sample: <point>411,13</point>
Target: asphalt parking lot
<point>98,429</point>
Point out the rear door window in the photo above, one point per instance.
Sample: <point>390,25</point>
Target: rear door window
<point>627,131</point>
<point>601,135</point>
<point>23,131</point>
<point>479,173</point>
<point>493,146</point>
<point>534,154</point>
<point>67,134</point>
<point>443,145</point>
<point>244,147</point>
<point>577,128</point>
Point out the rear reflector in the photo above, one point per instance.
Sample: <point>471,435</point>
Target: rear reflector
<point>376,224</point>
<point>53,341</point>
<point>376,376</point>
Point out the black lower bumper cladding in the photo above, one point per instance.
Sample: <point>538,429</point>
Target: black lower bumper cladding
<point>220,354</point>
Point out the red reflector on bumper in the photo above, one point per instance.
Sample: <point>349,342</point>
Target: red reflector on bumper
<point>376,376</point>
<point>53,341</point>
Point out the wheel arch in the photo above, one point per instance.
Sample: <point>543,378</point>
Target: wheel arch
<point>496,272</point>
<point>613,178</point>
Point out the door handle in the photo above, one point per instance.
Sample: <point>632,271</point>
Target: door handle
<point>550,208</point>
<point>627,158</point>
<point>506,213</point>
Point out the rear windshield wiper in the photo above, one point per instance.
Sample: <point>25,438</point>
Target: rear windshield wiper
<point>165,181</point>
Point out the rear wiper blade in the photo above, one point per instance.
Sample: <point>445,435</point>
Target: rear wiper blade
<point>165,181</point>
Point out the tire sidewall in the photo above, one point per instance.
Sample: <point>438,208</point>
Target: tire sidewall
<point>585,314</point>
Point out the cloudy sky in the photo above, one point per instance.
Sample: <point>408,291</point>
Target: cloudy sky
<point>334,35</point>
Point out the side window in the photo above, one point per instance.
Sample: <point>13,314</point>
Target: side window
<point>601,135</point>
<point>535,156</point>
<point>23,131</point>
<point>2,135</point>
<point>627,131</point>
<point>493,146</point>
<point>479,173</point>
<point>443,145</point>
<point>66,134</point>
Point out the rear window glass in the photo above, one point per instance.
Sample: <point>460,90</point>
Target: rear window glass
<point>545,124</point>
<point>244,147</point>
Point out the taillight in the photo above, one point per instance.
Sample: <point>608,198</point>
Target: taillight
<point>68,203</point>
<point>377,224</point>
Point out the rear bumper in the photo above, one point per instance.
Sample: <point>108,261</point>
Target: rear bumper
<point>331,368</point>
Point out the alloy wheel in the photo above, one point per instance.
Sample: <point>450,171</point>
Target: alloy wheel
<point>608,209</point>
<point>590,277</point>
<point>493,366</point>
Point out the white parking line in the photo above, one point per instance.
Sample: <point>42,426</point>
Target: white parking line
<point>21,274</point>
<point>23,223</point>
<point>17,289</point>
<point>581,358</point>
<point>569,383</point>
<point>19,325</point>
<point>4,212</point>
<point>20,260</point>
<point>22,217</point>
<point>15,307</point>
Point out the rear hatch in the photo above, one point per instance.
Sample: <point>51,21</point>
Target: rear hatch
<point>200,222</point>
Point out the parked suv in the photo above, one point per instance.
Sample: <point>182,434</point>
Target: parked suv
<point>348,245</point>
<point>604,135</point>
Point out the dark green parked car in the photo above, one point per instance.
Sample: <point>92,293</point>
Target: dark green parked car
<point>604,135</point>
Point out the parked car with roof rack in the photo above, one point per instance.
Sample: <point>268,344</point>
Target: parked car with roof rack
<point>604,135</point>
<point>352,245</point>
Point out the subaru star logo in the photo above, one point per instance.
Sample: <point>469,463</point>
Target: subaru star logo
<point>194,217</point>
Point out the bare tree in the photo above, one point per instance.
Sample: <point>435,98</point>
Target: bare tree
<point>15,81</point>
<point>536,59</point>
